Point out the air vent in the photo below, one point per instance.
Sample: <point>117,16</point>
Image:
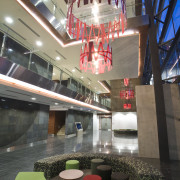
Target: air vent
<point>14,32</point>
<point>19,93</point>
<point>68,71</point>
<point>8,95</point>
<point>48,56</point>
<point>78,69</point>
<point>61,55</point>
<point>29,27</point>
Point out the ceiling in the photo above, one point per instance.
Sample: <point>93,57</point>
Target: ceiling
<point>19,94</point>
<point>125,49</point>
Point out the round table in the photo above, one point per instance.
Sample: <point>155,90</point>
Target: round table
<point>71,174</point>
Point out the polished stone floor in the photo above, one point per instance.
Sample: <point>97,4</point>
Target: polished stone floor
<point>22,158</point>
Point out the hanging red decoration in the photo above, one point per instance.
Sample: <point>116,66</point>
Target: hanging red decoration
<point>127,106</point>
<point>95,61</point>
<point>127,94</point>
<point>126,82</point>
<point>123,2</point>
<point>80,30</point>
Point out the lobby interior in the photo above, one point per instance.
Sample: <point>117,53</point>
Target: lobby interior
<point>95,77</point>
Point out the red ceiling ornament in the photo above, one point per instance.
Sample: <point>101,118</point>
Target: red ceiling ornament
<point>96,61</point>
<point>123,2</point>
<point>80,30</point>
<point>127,94</point>
<point>127,106</point>
<point>126,82</point>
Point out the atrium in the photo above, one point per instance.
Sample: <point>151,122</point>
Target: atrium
<point>89,89</point>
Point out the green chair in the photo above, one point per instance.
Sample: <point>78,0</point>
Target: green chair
<point>72,164</point>
<point>30,176</point>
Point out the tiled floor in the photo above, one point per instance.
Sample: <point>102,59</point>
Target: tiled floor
<point>23,157</point>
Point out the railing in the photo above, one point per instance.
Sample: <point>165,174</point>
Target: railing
<point>28,58</point>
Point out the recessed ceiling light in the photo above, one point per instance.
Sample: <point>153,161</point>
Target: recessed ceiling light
<point>63,21</point>
<point>89,83</point>
<point>39,43</point>
<point>72,107</point>
<point>58,58</point>
<point>9,20</point>
<point>33,98</point>
<point>54,74</point>
<point>82,77</point>
<point>73,70</point>
<point>3,100</point>
<point>56,104</point>
<point>10,50</point>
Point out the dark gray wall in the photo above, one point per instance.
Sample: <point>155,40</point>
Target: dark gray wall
<point>22,122</point>
<point>73,116</point>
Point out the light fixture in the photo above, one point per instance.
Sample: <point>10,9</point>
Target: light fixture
<point>33,98</point>
<point>11,82</point>
<point>10,50</point>
<point>63,21</point>
<point>3,100</point>
<point>82,77</point>
<point>72,107</point>
<point>73,70</point>
<point>9,20</point>
<point>56,104</point>
<point>96,61</point>
<point>54,74</point>
<point>77,28</point>
<point>58,58</point>
<point>39,43</point>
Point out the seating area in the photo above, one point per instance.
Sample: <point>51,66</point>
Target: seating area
<point>111,167</point>
<point>125,131</point>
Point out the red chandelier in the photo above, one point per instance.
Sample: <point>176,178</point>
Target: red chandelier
<point>127,106</point>
<point>80,30</point>
<point>127,94</point>
<point>95,61</point>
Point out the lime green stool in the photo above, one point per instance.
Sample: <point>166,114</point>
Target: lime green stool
<point>72,164</point>
<point>30,176</point>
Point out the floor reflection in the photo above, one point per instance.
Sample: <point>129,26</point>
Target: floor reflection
<point>22,158</point>
<point>107,142</point>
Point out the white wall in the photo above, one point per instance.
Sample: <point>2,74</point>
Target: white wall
<point>95,121</point>
<point>124,120</point>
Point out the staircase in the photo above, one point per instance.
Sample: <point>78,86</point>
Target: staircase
<point>61,132</point>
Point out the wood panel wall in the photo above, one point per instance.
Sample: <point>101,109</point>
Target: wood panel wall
<point>56,121</point>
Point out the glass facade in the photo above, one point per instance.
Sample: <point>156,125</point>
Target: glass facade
<point>167,24</point>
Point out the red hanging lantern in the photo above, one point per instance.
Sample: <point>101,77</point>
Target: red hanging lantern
<point>95,61</point>
<point>126,82</point>
<point>127,106</point>
<point>81,30</point>
<point>127,94</point>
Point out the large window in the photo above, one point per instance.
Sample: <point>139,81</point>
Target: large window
<point>39,66</point>
<point>16,53</point>
<point>174,23</point>
<point>163,17</point>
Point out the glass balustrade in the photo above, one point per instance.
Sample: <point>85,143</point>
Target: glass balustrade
<point>17,53</point>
